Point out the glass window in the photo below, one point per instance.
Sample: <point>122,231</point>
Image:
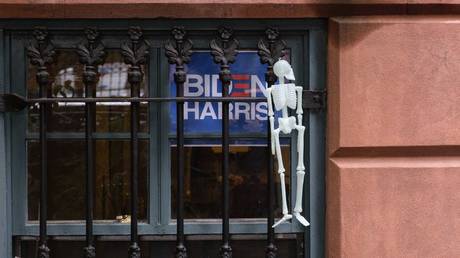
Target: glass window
<point>66,154</point>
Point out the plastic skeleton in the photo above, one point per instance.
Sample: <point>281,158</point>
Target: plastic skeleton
<point>284,96</point>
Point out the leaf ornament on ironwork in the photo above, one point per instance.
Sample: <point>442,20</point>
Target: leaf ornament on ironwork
<point>41,51</point>
<point>90,252</point>
<point>224,48</point>
<point>135,52</point>
<point>181,252</point>
<point>92,52</point>
<point>179,51</point>
<point>272,48</point>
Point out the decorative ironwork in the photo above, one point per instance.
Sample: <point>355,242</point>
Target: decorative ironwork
<point>135,53</point>
<point>89,251</point>
<point>91,54</point>
<point>271,250</point>
<point>224,51</point>
<point>41,53</point>
<point>178,52</point>
<point>271,48</point>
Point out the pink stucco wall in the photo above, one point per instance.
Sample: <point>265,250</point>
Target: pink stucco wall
<point>393,178</point>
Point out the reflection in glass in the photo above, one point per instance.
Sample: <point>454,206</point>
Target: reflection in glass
<point>66,179</point>
<point>247,181</point>
<point>67,83</point>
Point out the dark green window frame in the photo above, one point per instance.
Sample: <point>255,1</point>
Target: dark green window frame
<point>307,41</point>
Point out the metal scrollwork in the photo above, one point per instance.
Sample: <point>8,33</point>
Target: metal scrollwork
<point>135,53</point>
<point>224,51</point>
<point>90,252</point>
<point>271,251</point>
<point>271,49</point>
<point>179,52</point>
<point>91,54</point>
<point>181,251</point>
<point>226,251</point>
<point>41,53</point>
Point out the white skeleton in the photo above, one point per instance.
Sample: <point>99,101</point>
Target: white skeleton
<point>287,95</point>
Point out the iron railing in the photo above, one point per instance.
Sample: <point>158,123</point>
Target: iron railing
<point>178,50</point>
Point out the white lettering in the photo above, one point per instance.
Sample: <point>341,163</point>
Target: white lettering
<point>194,110</point>
<point>215,79</point>
<point>242,108</point>
<point>256,83</point>
<point>261,110</point>
<point>208,110</point>
<point>193,81</point>
<point>207,85</point>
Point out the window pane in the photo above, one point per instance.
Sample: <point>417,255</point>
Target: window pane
<point>247,181</point>
<point>113,82</point>
<point>66,179</point>
<point>67,82</point>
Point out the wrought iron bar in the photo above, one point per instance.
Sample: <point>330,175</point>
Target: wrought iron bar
<point>178,52</point>
<point>224,51</point>
<point>41,53</point>
<point>270,50</point>
<point>135,54</point>
<point>312,100</point>
<point>91,55</point>
<point>146,99</point>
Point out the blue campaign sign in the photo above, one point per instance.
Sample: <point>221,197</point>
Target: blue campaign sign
<point>248,80</point>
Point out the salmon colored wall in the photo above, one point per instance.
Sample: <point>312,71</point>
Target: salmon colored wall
<point>393,177</point>
<point>219,9</point>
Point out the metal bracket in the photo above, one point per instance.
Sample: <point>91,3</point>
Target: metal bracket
<point>314,99</point>
<point>11,103</point>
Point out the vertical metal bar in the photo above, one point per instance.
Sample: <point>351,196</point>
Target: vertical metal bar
<point>224,52</point>
<point>135,54</point>
<point>41,52</point>
<point>91,54</point>
<point>178,53</point>
<point>270,50</point>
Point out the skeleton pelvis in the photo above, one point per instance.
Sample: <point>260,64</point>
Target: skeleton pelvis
<point>284,95</point>
<point>286,124</point>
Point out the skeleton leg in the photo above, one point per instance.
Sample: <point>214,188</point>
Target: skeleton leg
<point>286,215</point>
<point>300,176</point>
<point>271,117</point>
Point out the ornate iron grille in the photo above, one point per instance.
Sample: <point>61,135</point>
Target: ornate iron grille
<point>178,50</point>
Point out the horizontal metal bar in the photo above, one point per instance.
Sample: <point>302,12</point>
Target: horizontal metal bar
<point>147,99</point>
<point>13,102</point>
<point>81,136</point>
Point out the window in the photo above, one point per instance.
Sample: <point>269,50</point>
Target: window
<point>157,138</point>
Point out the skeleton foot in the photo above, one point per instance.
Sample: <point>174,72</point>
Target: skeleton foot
<point>301,219</point>
<point>286,217</point>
